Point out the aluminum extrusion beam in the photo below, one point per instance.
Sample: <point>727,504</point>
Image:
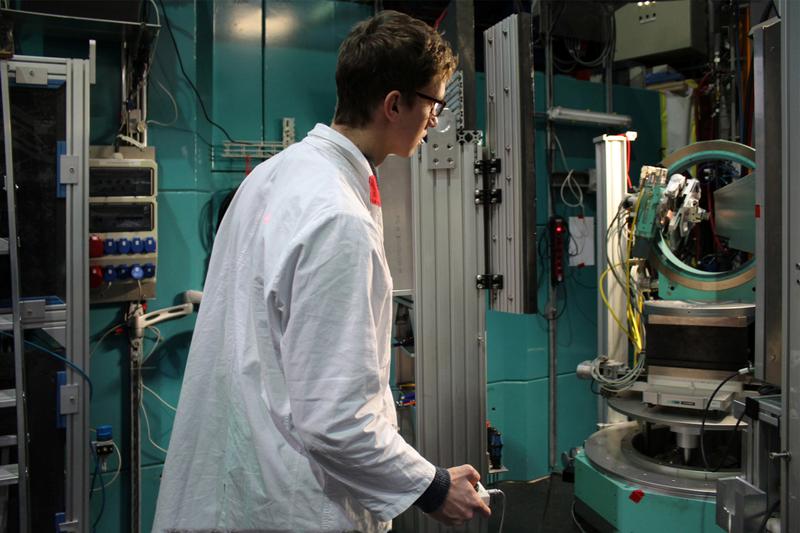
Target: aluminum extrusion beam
<point>460,24</point>
<point>78,463</point>
<point>394,175</point>
<point>450,358</point>
<point>790,157</point>
<point>510,137</point>
<point>610,156</point>
<point>74,320</point>
<point>767,131</point>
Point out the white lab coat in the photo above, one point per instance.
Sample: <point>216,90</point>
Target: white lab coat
<point>286,420</point>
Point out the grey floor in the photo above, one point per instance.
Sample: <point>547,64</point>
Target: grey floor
<point>530,509</point>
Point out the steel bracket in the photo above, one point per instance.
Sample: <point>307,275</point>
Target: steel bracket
<point>72,525</point>
<point>30,75</point>
<point>33,310</point>
<point>70,169</point>
<point>68,396</point>
<point>441,150</point>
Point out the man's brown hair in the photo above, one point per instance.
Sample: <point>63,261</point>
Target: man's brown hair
<point>390,51</point>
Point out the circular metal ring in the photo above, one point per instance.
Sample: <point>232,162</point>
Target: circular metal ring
<point>608,451</point>
<point>739,278</point>
<point>662,257</point>
<point>739,149</point>
<point>631,405</point>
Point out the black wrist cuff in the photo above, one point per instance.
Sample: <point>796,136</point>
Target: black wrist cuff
<point>435,494</point>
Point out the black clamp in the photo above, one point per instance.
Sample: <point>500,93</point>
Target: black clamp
<point>489,281</point>
<point>487,166</point>
<point>492,196</point>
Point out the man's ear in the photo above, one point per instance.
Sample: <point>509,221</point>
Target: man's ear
<point>391,105</point>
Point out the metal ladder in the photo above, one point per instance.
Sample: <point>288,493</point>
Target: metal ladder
<point>11,323</point>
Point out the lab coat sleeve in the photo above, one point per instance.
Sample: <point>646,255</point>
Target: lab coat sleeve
<point>335,352</point>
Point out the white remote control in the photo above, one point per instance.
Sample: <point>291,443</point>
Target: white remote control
<point>483,494</point>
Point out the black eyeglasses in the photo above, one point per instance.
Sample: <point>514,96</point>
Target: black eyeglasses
<point>438,105</point>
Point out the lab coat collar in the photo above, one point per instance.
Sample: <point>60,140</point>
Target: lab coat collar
<point>346,147</point>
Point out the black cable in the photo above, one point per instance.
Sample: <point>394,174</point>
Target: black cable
<point>64,360</point>
<point>767,515</point>
<point>574,277</point>
<point>705,416</point>
<point>607,49</point>
<point>570,241</point>
<point>102,491</point>
<point>729,443</point>
<point>189,80</point>
<point>575,518</point>
<point>542,238</point>
<point>556,18</point>
<point>559,314</point>
<point>556,313</point>
<point>94,474</point>
<point>223,206</point>
<point>547,497</point>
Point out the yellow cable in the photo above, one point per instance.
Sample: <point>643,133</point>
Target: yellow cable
<point>608,305</point>
<point>630,314</point>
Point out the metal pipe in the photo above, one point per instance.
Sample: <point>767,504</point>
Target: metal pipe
<point>732,85</point>
<point>790,271</point>
<point>552,359</point>
<point>78,480</point>
<point>609,64</point>
<point>143,100</point>
<point>136,352</point>
<point>552,371</point>
<point>124,92</point>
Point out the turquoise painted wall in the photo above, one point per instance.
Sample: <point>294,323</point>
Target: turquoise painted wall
<point>221,48</point>
<point>517,357</point>
<point>182,152</point>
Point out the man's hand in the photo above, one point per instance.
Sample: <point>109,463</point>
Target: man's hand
<point>462,499</point>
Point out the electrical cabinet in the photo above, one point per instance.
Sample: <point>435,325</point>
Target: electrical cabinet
<point>123,228</point>
<point>661,31</point>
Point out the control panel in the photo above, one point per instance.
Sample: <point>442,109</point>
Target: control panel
<point>123,229</point>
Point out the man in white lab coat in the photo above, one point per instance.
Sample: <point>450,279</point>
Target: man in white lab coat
<point>286,421</point>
